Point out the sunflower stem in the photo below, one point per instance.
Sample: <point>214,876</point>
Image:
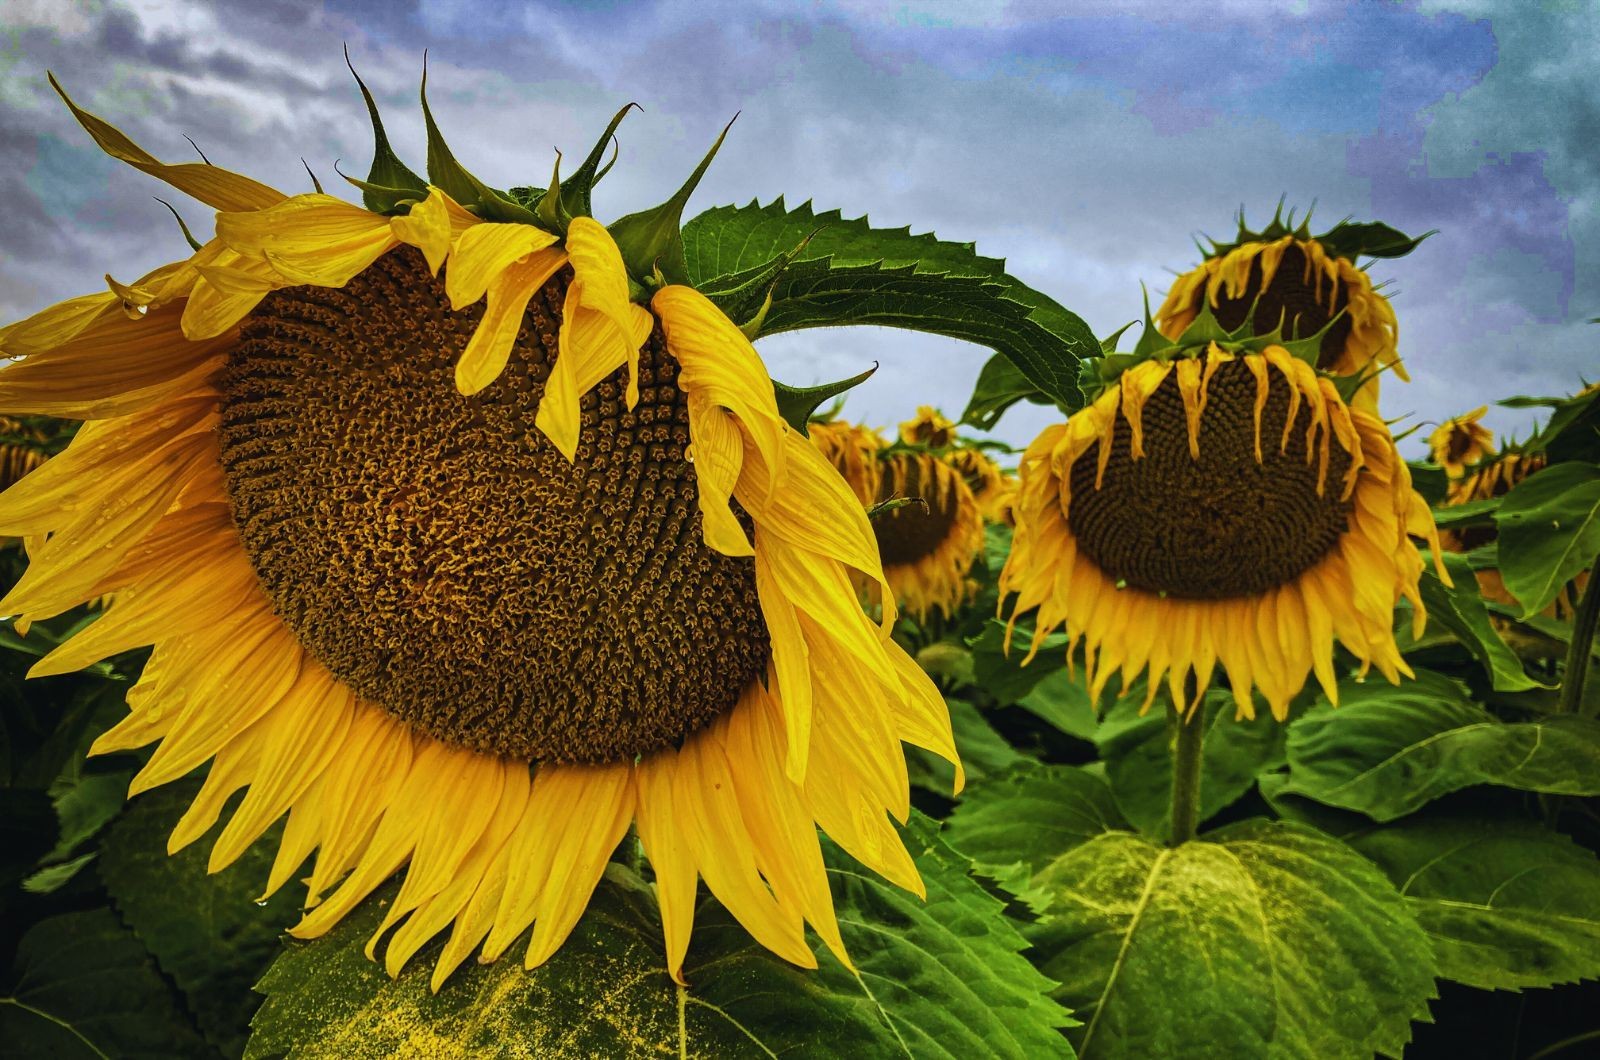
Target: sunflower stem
<point>1581,648</point>
<point>1186,762</point>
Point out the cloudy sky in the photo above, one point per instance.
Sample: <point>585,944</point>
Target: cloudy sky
<point>1086,149</point>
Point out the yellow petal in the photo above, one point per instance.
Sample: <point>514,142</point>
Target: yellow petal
<point>490,346</point>
<point>310,239</point>
<point>430,227</point>
<point>718,453</point>
<point>482,252</point>
<point>601,280</point>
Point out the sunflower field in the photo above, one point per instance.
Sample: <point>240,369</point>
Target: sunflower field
<point>431,632</point>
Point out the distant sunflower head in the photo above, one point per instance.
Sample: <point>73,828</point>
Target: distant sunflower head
<point>991,486</point>
<point>1461,441</point>
<point>1484,480</point>
<point>853,451</point>
<point>471,572</point>
<point>928,524</point>
<point>928,428</point>
<point>1284,280</point>
<point>1218,505</point>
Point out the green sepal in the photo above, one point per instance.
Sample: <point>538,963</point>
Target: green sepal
<point>577,190</point>
<point>315,183</point>
<point>893,504</point>
<point>1150,339</point>
<point>445,173</point>
<point>548,206</point>
<point>188,237</point>
<point>1109,343</point>
<point>651,241</point>
<point>389,180</point>
<point>1347,239</point>
<point>797,404</point>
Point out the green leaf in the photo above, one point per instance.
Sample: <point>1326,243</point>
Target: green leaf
<point>1573,430</point>
<point>1472,513</point>
<point>1430,480</point>
<point>1263,939</point>
<point>1549,532</point>
<point>941,978</point>
<point>852,273</point>
<point>1016,823</point>
<point>1000,385</point>
<point>1508,904</point>
<point>1061,700</point>
<point>1386,750</point>
<point>1137,751</point>
<point>983,751</point>
<point>83,987</point>
<point>205,931</point>
<point>1459,609</point>
<point>1003,674</point>
<point>1350,239</point>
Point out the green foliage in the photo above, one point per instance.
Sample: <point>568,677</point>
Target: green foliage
<point>1389,750</point>
<point>1549,532</point>
<point>1260,939</point>
<point>1000,385</point>
<point>941,978</point>
<point>1507,904</point>
<point>824,269</point>
<point>1137,751</point>
<point>81,987</point>
<point>206,932</point>
<point>1459,609</point>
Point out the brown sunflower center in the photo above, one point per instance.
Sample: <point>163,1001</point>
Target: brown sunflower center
<point>916,530</point>
<point>1220,526</point>
<point>1294,299</point>
<point>440,556</point>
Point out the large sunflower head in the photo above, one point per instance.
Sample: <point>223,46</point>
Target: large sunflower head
<point>1284,280</point>
<point>467,535</point>
<point>1461,441</point>
<point>1218,501</point>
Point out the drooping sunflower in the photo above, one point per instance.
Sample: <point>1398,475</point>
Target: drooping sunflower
<point>1220,501</point>
<point>1461,441</point>
<point>1301,286</point>
<point>991,487</point>
<point>934,529</point>
<point>467,575</point>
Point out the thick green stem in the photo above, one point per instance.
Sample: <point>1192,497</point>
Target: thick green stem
<point>1186,761</point>
<point>1582,647</point>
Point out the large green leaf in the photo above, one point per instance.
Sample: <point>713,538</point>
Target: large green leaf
<point>1061,700</point>
<point>1508,904</point>
<point>1387,750</point>
<point>1549,532</point>
<point>1262,939</point>
<point>1015,823</point>
<point>1137,751</point>
<point>205,931</point>
<point>823,269</point>
<point>942,978</point>
<point>1459,609</point>
<point>1000,385</point>
<point>83,987</point>
<point>1010,675</point>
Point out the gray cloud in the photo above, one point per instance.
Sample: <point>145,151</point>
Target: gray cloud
<point>1087,150</point>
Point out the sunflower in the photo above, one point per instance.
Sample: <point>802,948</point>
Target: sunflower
<point>992,488</point>
<point>853,450</point>
<point>1305,285</point>
<point>1460,442</point>
<point>930,528</point>
<point>467,576</point>
<point>1222,502</point>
